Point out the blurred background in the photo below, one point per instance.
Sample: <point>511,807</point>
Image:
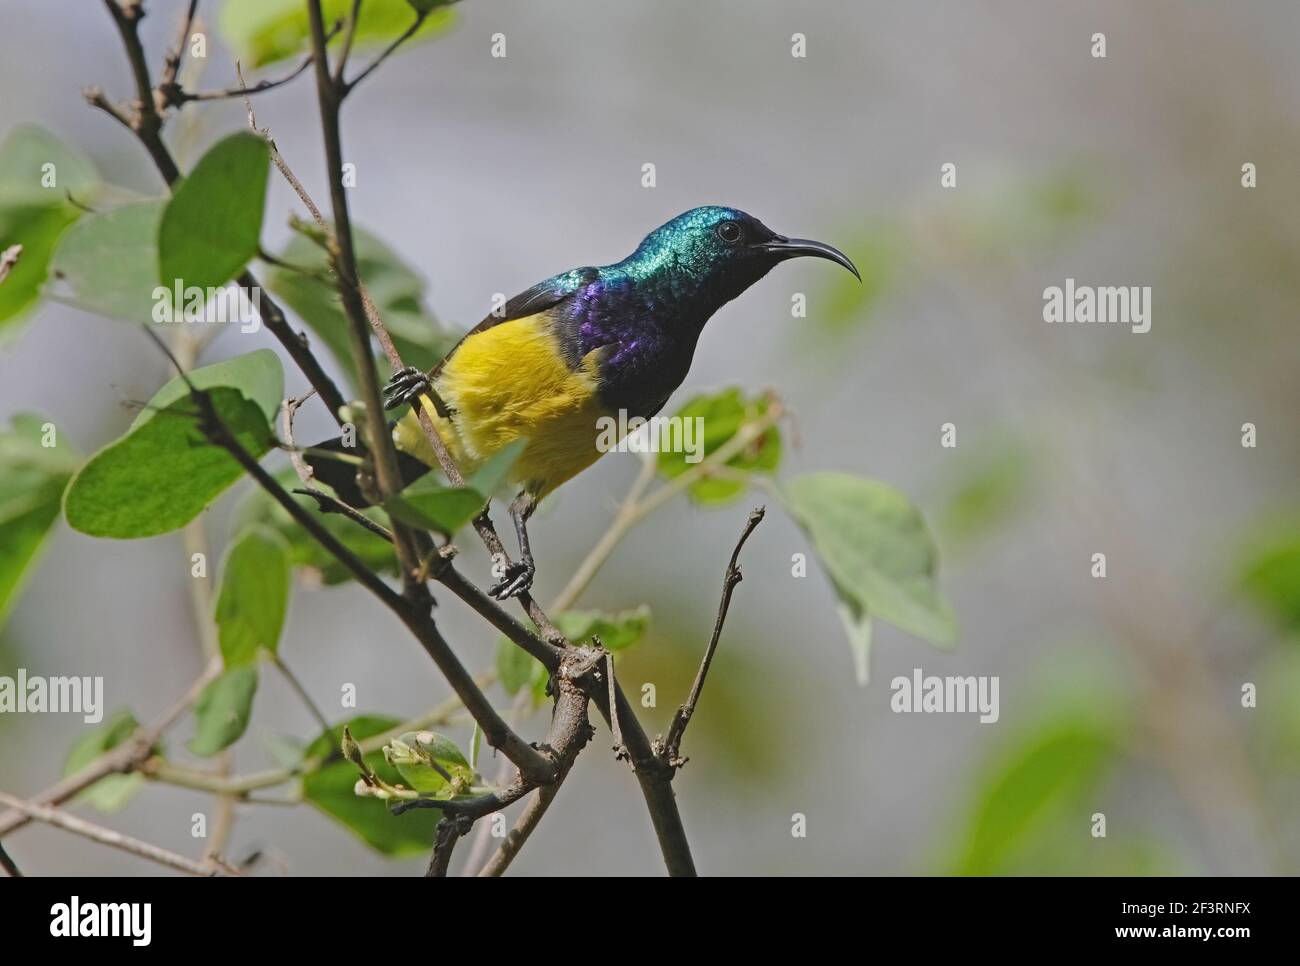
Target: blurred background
<point>1120,695</point>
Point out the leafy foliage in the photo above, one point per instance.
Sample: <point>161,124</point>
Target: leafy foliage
<point>164,472</point>
<point>222,710</point>
<point>108,261</point>
<point>878,554</point>
<point>398,293</point>
<point>212,224</point>
<point>111,792</point>
<point>266,31</point>
<point>305,554</point>
<point>331,789</point>
<point>430,763</point>
<point>32,478</point>
<point>37,176</point>
<point>723,415</point>
<point>254,595</point>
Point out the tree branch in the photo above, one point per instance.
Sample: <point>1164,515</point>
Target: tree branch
<point>123,758</point>
<point>97,833</point>
<point>670,750</point>
<point>146,124</point>
<point>495,730</point>
<point>348,86</point>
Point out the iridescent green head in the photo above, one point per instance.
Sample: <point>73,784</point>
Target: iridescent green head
<point>715,253</point>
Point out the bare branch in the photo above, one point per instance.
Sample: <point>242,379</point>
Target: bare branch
<point>177,97</point>
<point>348,86</point>
<point>97,833</point>
<point>8,864</point>
<point>671,747</point>
<point>345,50</point>
<point>172,65</point>
<point>123,758</point>
<point>449,832</point>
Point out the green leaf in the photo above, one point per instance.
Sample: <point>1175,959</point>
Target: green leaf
<point>32,478</point>
<point>305,553</point>
<point>616,631</point>
<point>213,221</point>
<point>495,470</point>
<point>254,595</point>
<point>109,261</point>
<point>430,506</point>
<point>398,293</point>
<point>37,228</point>
<point>1270,572</point>
<point>163,472</point>
<point>857,625</point>
<point>723,415</point>
<point>1049,769</point>
<point>266,31</point>
<point>418,756</point>
<point>222,710</point>
<point>37,174</point>
<point>35,166</point>
<point>876,550</point>
<point>113,791</point>
<point>331,790</point>
<point>428,6</point>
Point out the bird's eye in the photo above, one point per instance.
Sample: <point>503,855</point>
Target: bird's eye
<point>729,232</point>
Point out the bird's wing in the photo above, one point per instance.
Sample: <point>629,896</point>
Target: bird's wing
<point>543,295</point>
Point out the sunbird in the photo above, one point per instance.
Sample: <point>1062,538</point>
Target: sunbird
<point>564,356</point>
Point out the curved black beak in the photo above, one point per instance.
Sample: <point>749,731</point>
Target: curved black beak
<point>784,248</point>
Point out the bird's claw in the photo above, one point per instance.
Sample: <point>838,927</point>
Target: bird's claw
<point>518,578</point>
<point>406,385</point>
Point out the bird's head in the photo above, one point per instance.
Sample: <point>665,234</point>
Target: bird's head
<point>714,253</point>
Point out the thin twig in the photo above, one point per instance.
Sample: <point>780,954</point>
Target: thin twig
<point>172,65</point>
<point>301,691</point>
<point>348,86</point>
<point>528,821</point>
<point>636,507</point>
<point>345,50</point>
<point>671,748</point>
<point>116,840</point>
<point>118,760</point>
<point>147,125</point>
<point>332,504</point>
<point>8,864</point>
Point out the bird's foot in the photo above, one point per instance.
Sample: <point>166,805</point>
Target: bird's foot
<point>516,577</point>
<point>406,386</point>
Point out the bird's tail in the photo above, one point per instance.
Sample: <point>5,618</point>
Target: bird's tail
<point>341,475</point>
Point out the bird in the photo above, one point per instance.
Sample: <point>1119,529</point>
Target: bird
<point>562,357</point>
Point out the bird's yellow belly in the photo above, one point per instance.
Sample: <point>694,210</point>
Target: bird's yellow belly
<point>511,382</point>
